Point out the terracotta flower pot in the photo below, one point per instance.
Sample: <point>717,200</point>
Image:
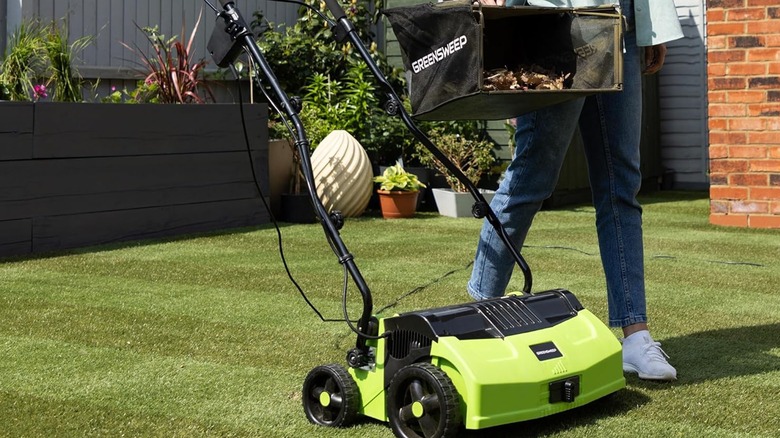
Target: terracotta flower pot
<point>397,204</point>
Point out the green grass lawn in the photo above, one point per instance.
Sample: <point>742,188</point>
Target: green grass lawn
<point>206,336</point>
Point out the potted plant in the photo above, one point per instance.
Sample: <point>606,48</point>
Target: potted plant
<point>398,190</point>
<point>472,155</point>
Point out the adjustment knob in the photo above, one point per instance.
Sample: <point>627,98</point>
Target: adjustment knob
<point>297,104</point>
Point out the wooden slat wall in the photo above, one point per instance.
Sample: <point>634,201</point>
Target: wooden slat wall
<point>16,131</point>
<point>125,175</point>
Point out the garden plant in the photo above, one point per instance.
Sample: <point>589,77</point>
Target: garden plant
<point>38,59</point>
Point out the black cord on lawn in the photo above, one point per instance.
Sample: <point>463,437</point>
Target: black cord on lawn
<point>423,287</point>
<point>262,197</point>
<point>408,294</point>
<point>659,256</point>
<point>567,248</point>
<point>346,319</point>
<point>719,262</point>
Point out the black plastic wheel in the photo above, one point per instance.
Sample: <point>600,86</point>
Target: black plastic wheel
<point>422,402</point>
<point>330,396</point>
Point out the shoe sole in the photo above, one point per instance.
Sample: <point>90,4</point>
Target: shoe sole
<point>628,368</point>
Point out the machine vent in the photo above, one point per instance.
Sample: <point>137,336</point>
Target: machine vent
<point>402,342</point>
<point>508,313</point>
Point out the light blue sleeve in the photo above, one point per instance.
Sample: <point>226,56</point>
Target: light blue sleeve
<point>656,22</point>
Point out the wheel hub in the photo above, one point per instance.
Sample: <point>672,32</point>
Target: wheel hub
<point>325,398</point>
<point>418,410</point>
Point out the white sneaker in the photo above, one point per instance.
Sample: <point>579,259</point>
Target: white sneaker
<point>644,356</point>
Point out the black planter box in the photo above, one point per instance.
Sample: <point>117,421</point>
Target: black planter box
<point>73,175</point>
<point>447,47</point>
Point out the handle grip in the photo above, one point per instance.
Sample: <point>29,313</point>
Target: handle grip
<point>335,8</point>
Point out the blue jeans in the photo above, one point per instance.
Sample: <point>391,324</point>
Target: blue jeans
<point>610,124</point>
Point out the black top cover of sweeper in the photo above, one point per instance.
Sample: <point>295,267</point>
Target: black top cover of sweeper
<point>491,318</point>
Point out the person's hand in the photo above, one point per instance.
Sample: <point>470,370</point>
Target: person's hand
<point>493,2</point>
<point>654,59</point>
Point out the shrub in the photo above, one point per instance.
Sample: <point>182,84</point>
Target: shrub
<point>170,74</point>
<point>473,155</point>
<point>40,58</point>
<point>339,92</point>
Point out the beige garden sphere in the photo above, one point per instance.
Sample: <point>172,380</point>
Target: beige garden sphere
<point>342,174</point>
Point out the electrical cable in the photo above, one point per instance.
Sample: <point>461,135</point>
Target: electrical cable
<point>279,236</point>
<point>423,287</point>
<point>346,314</point>
<point>568,248</point>
<point>290,129</point>
<point>213,8</point>
<point>329,240</point>
<point>658,256</point>
<point>278,231</point>
<point>267,97</point>
<point>265,203</point>
<point>719,262</point>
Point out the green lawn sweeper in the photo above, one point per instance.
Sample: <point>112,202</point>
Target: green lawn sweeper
<point>433,372</point>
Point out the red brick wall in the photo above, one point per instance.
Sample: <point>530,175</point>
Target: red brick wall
<point>743,55</point>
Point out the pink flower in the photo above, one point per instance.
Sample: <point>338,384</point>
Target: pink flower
<point>40,91</point>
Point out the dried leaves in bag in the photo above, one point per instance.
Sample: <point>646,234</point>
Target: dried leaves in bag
<point>524,78</point>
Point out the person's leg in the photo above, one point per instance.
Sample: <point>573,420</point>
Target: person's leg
<point>541,141</point>
<point>611,128</point>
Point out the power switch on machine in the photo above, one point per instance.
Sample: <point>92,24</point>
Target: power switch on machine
<point>565,390</point>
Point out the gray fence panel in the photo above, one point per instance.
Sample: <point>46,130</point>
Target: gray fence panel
<point>3,25</point>
<point>112,22</point>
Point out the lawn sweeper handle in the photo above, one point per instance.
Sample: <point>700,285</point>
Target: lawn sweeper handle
<point>344,29</point>
<point>240,37</point>
<point>239,33</point>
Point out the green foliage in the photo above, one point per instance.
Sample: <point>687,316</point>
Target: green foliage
<point>389,140</point>
<point>510,127</point>
<point>68,84</point>
<point>39,56</point>
<point>396,178</point>
<point>24,62</point>
<point>332,104</point>
<point>310,39</point>
<point>171,75</point>
<point>143,93</point>
<point>470,153</point>
<point>339,91</point>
